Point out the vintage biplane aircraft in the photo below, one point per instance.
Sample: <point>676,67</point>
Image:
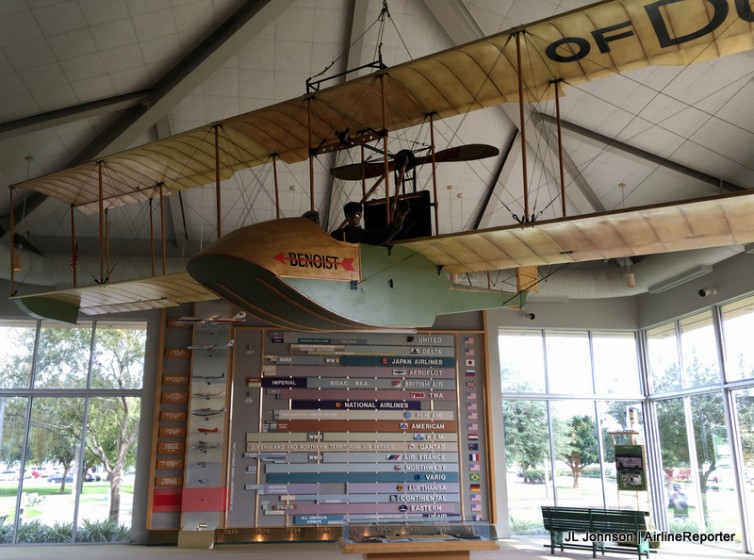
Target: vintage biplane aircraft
<point>290,273</point>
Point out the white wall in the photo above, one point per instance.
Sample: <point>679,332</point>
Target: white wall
<point>732,279</point>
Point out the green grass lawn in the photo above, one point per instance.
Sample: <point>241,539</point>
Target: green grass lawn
<point>45,495</point>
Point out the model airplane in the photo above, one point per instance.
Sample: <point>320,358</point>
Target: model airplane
<point>210,378</point>
<point>204,446</point>
<point>212,347</point>
<point>208,395</point>
<point>291,274</point>
<point>208,430</point>
<point>206,412</point>
<point>213,321</point>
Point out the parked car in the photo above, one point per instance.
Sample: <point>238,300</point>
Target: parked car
<point>8,476</point>
<point>58,477</point>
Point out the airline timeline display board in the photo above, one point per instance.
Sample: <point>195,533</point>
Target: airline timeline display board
<point>327,428</point>
<point>348,426</point>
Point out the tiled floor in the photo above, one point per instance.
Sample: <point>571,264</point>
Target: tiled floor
<point>518,549</point>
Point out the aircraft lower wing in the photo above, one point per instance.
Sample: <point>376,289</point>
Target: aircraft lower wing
<point>154,292</point>
<point>696,224</point>
<point>289,266</point>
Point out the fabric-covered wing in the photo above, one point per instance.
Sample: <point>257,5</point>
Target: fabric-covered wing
<point>155,292</point>
<point>697,224</point>
<point>608,37</point>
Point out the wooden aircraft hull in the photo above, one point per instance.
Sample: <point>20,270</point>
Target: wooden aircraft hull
<point>292,274</point>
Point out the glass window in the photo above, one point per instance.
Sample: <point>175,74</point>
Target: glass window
<point>699,349</point>
<point>16,354</point>
<point>79,455</point>
<point>717,485</point>
<point>527,454</point>
<point>57,426</point>
<point>118,356</point>
<point>578,472</point>
<point>569,365</point>
<point>662,358</point>
<point>744,410</point>
<point>522,361</point>
<point>13,411</point>
<point>738,324</point>
<point>676,464</point>
<point>109,459</point>
<point>616,367</point>
<point>63,357</point>
<point>621,422</point>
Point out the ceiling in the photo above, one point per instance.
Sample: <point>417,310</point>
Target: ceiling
<point>80,79</point>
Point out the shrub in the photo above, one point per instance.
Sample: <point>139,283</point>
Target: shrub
<point>681,525</point>
<point>533,475</point>
<point>6,531</point>
<point>102,531</point>
<point>527,526</point>
<point>36,532</point>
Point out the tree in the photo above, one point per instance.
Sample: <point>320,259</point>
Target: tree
<point>580,446</point>
<point>526,434</point>
<point>57,423</point>
<point>114,421</point>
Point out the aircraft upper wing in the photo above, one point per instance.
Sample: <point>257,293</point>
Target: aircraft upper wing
<point>600,40</point>
<point>695,224</point>
<point>154,292</point>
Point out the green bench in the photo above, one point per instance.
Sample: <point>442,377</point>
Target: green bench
<point>603,529</point>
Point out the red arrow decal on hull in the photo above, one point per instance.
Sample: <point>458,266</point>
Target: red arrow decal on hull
<point>309,260</point>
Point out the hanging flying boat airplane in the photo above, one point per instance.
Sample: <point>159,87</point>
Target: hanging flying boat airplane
<point>290,273</point>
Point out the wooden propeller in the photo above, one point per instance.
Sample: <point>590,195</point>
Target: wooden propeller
<point>370,169</point>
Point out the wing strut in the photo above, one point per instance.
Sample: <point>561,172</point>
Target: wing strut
<point>12,244</point>
<point>74,248</point>
<point>162,228</point>
<point>277,186</point>
<point>523,124</point>
<point>386,155</point>
<point>363,176</point>
<point>151,234</point>
<point>312,151</point>
<point>434,171</point>
<point>101,204</point>
<point>560,148</point>
<point>217,180</point>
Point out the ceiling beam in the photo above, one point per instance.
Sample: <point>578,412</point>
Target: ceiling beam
<point>574,173</point>
<point>490,190</point>
<point>75,113</point>
<point>186,76</point>
<point>638,152</point>
<point>456,20</point>
<point>144,109</point>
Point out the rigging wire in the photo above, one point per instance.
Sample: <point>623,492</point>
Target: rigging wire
<point>635,116</point>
